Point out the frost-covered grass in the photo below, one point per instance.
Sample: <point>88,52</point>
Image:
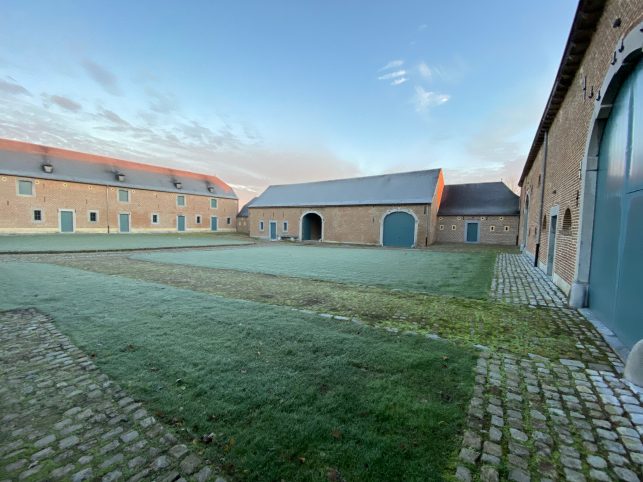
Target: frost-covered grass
<point>466,274</point>
<point>106,242</point>
<point>288,396</point>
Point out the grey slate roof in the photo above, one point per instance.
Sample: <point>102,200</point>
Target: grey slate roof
<point>26,160</point>
<point>483,199</point>
<point>244,210</point>
<point>402,188</point>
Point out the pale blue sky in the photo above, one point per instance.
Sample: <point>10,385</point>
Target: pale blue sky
<point>272,92</point>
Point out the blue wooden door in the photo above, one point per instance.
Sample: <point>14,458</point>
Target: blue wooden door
<point>214,223</point>
<point>273,230</point>
<point>399,230</point>
<point>66,221</point>
<point>123,222</point>
<point>616,273</point>
<point>180,223</point>
<point>472,232</point>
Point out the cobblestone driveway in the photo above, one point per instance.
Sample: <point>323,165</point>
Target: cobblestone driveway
<point>63,419</point>
<point>540,419</point>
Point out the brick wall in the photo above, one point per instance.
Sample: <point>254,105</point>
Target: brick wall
<point>243,226</point>
<point>451,229</point>
<point>16,213</point>
<point>345,224</point>
<point>567,139</point>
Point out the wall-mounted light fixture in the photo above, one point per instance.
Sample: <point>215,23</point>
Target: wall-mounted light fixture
<point>48,168</point>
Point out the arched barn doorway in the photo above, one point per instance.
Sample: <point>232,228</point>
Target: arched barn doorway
<point>398,230</point>
<point>616,257</point>
<point>311,227</point>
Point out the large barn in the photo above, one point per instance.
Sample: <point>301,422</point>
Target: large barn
<point>388,210</point>
<point>582,184</point>
<point>51,190</point>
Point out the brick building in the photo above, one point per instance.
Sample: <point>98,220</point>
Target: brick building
<point>582,184</point>
<point>242,218</point>
<point>51,190</point>
<point>486,212</point>
<point>389,210</point>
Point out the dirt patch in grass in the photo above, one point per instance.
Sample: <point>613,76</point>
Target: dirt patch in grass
<point>278,394</point>
<point>500,326</point>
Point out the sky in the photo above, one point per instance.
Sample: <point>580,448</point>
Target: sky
<point>273,92</point>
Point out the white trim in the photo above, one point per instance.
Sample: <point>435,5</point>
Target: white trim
<point>554,211</point>
<point>301,225</point>
<point>216,201</point>
<point>185,201</point>
<point>158,218</point>
<point>42,215</point>
<point>185,223</point>
<point>118,195</point>
<point>33,187</point>
<point>129,222</point>
<point>400,210</point>
<point>270,223</point>
<point>466,226</point>
<point>89,216</point>
<point>198,219</point>
<point>284,227</point>
<point>60,227</point>
<point>210,227</point>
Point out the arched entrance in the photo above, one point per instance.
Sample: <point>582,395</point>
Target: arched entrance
<point>616,266</point>
<point>398,230</point>
<point>312,226</point>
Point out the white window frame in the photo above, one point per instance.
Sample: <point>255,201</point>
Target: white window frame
<point>158,218</point>
<point>73,211</point>
<point>185,201</point>
<point>118,195</point>
<point>33,187</point>
<point>89,216</point>
<point>228,220</point>
<point>198,218</point>
<point>284,227</point>
<point>262,226</point>
<point>214,201</point>
<point>33,215</point>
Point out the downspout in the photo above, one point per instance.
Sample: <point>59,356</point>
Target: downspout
<point>542,198</point>
<point>107,206</point>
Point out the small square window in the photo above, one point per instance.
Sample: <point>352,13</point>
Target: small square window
<point>285,226</point>
<point>506,228</point>
<point>453,227</point>
<point>261,226</point>
<point>93,216</point>
<point>37,215</point>
<point>213,203</point>
<point>180,200</point>
<point>123,195</point>
<point>492,228</point>
<point>198,219</point>
<point>155,218</point>
<point>25,188</point>
<point>228,220</point>
<point>441,227</point>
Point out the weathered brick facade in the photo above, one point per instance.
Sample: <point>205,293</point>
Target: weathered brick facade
<point>493,229</point>
<point>51,196</point>
<point>565,148</point>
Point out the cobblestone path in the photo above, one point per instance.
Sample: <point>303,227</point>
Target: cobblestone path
<point>517,281</point>
<point>62,419</point>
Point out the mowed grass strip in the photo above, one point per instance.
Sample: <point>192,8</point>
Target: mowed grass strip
<point>287,395</point>
<point>500,326</point>
<point>442,272</point>
<point>107,242</point>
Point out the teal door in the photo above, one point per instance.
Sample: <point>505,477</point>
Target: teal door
<point>399,230</point>
<point>214,223</point>
<point>273,230</point>
<point>616,270</point>
<point>123,223</point>
<point>551,244</point>
<point>180,223</point>
<point>472,232</point>
<point>66,221</point>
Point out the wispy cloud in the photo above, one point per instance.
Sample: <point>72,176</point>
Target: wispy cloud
<point>393,64</point>
<point>61,101</point>
<point>392,75</point>
<point>102,76</point>
<point>12,87</point>
<point>422,27</point>
<point>399,81</point>
<point>424,99</point>
<point>425,70</point>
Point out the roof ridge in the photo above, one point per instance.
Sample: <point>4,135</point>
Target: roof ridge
<point>347,179</point>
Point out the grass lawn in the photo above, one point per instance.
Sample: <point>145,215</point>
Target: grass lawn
<point>288,395</point>
<point>501,326</point>
<point>440,272</point>
<point>106,242</point>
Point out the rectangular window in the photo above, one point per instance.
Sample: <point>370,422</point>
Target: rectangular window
<point>492,228</point>
<point>180,200</point>
<point>261,226</point>
<point>25,188</point>
<point>453,226</point>
<point>228,221</point>
<point>506,228</point>
<point>198,219</point>
<point>155,218</point>
<point>123,195</point>
<point>37,215</point>
<point>285,226</point>
<point>213,203</point>
<point>93,216</point>
<point>441,227</point>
